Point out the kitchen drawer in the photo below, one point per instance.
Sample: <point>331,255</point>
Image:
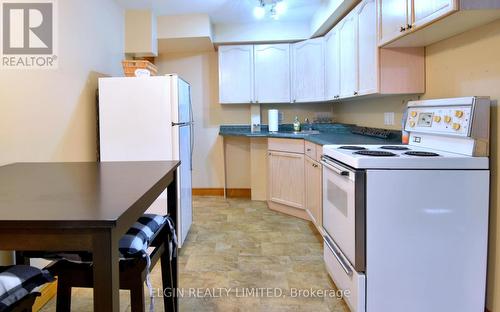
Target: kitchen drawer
<point>310,150</point>
<point>319,152</point>
<point>355,283</point>
<point>286,145</point>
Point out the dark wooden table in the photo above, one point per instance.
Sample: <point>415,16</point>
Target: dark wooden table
<point>82,207</point>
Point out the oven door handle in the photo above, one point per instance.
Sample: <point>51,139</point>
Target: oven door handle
<point>337,255</point>
<point>338,171</point>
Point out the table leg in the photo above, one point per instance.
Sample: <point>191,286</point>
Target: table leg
<point>21,259</point>
<point>106,272</point>
<point>225,166</point>
<point>172,206</point>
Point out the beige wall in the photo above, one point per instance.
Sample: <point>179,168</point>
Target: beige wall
<point>468,64</point>
<point>49,115</point>
<point>370,112</point>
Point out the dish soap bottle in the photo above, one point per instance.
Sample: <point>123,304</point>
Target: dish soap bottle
<point>296,124</point>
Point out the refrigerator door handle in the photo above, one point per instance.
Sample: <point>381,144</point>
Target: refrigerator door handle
<point>180,124</point>
<point>192,127</point>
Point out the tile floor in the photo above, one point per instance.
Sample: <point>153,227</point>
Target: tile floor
<point>240,244</point>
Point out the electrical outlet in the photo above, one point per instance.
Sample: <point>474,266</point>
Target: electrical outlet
<point>389,119</point>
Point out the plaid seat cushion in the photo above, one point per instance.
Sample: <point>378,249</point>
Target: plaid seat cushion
<point>134,243</point>
<point>17,281</point>
<point>138,237</point>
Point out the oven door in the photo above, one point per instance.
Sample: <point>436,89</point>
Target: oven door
<point>343,212</point>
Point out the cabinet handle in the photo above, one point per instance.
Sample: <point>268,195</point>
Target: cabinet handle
<point>315,166</point>
<point>355,92</point>
<point>402,29</point>
<point>294,100</point>
<point>409,26</point>
<point>308,149</point>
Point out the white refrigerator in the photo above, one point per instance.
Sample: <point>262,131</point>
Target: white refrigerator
<point>150,118</point>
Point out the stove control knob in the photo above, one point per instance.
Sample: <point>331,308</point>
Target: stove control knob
<point>459,114</point>
<point>413,114</point>
<point>456,126</point>
<point>437,118</point>
<point>447,119</point>
<point>412,124</point>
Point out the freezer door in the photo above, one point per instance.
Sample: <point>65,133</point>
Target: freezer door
<point>184,101</point>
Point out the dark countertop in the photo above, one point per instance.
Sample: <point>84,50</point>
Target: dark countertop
<point>329,134</point>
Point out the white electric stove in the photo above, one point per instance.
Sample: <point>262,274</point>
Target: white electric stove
<point>406,226</point>
<point>402,157</point>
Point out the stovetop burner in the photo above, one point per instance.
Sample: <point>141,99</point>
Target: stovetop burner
<point>375,153</point>
<point>353,148</point>
<point>421,154</point>
<point>395,148</point>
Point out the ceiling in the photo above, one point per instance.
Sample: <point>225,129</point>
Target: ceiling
<point>224,11</point>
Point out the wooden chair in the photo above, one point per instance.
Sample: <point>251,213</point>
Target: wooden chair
<point>133,273</point>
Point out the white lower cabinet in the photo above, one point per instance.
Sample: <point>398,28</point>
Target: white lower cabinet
<point>286,174</point>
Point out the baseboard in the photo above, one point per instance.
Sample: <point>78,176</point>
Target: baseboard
<point>208,192</point>
<point>296,212</point>
<point>232,193</point>
<point>47,292</point>
<point>239,193</point>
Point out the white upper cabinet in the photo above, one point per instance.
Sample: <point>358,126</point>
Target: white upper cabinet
<point>425,11</point>
<point>332,64</point>
<point>272,73</point>
<point>367,47</point>
<point>393,19</point>
<point>236,76</point>
<point>348,55</point>
<point>308,71</point>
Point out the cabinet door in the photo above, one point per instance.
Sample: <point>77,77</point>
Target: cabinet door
<point>428,11</point>
<point>286,178</point>
<point>348,56</point>
<point>272,73</point>
<point>236,74</point>
<point>367,47</point>
<point>393,15</point>
<point>332,64</point>
<point>313,190</point>
<point>308,71</point>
